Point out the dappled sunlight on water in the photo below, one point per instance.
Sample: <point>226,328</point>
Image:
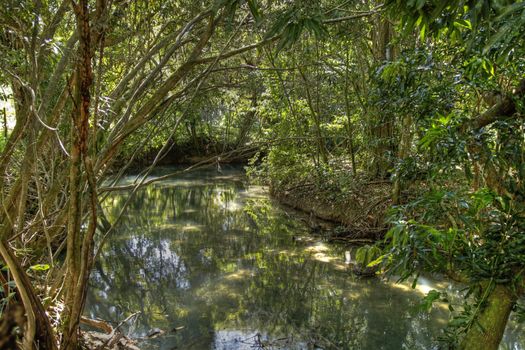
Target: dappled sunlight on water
<point>215,256</point>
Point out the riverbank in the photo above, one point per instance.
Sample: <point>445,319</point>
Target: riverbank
<point>361,210</point>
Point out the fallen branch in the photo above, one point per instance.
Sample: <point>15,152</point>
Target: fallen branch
<point>98,324</point>
<point>115,335</point>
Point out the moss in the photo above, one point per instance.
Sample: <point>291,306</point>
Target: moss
<point>492,321</point>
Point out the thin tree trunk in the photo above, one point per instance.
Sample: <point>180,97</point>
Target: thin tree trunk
<point>381,128</point>
<point>321,146</point>
<point>350,126</point>
<point>403,153</point>
<point>38,330</point>
<point>75,276</point>
<point>248,120</point>
<point>5,123</point>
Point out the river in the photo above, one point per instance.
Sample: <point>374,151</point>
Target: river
<point>216,264</point>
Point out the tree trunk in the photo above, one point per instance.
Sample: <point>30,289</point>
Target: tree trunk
<point>38,330</point>
<point>75,278</point>
<point>5,123</point>
<point>350,126</point>
<point>403,153</point>
<point>247,121</point>
<point>492,320</point>
<point>320,141</point>
<point>382,124</point>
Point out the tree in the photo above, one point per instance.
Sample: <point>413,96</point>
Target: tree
<point>474,230</point>
<point>93,80</point>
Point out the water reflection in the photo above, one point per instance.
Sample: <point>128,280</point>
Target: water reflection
<point>208,253</point>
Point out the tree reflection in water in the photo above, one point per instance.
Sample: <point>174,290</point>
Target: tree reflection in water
<point>217,257</point>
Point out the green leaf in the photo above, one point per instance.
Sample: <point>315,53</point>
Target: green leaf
<point>422,32</point>
<point>40,267</point>
<point>518,6</point>
<point>462,23</point>
<point>414,282</point>
<point>429,299</point>
<point>419,20</point>
<point>458,322</point>
<point>254,9</point>
<point>494,39</point>
<point>376,261</point>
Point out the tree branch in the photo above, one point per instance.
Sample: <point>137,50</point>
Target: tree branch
<point>500,111</point>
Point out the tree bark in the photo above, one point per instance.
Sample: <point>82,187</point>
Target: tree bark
<point>5,123</point>
<point>320,141</point>
<point>350,126</point>
<point>403,153</point>
<point>75,280</point>
<point>494,316</point>
<point>492,319</point>
<point>382,124</point>
<point>38,330</point>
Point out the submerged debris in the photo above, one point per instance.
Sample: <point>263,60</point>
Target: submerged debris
<point>102,341</point>
<point>154,333</point>
<point>109,338</point>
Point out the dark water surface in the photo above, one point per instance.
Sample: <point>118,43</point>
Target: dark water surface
<point>209,253</point>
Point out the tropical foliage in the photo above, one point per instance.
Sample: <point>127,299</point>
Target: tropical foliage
<point>419,102</point>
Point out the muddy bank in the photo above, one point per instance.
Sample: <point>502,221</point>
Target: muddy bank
<point>361,214</point>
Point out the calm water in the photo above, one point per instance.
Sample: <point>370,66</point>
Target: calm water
<point>215,256</point>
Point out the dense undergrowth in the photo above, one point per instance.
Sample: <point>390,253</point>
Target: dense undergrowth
<point>403,120</point>
<point>332,193</point>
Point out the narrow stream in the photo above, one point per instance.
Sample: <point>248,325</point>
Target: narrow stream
<point>219,261</point>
